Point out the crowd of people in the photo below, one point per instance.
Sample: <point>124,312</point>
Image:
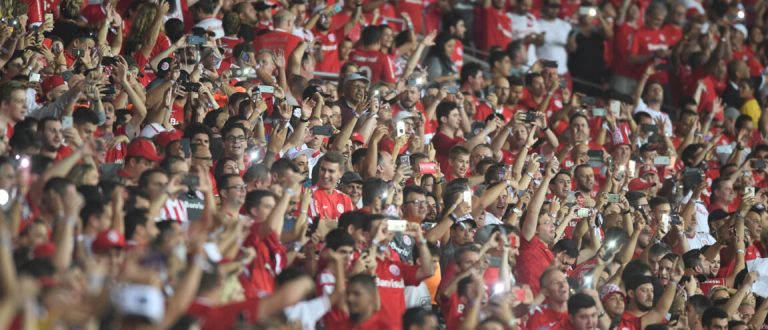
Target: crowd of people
<point>375,164</point>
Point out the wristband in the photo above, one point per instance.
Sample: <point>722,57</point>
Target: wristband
<point>740,251</point>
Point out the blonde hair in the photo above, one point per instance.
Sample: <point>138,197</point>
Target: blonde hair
<point>145,15</point>
<point>78,173</point>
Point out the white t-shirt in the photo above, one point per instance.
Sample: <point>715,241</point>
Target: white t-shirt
<point>522,26</point>
<point>642,107</point>
<point>555,40</point>
<point>308,312</point>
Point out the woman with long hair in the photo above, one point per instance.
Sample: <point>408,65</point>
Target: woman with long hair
<point>438,63</point>
<point>145,37</point>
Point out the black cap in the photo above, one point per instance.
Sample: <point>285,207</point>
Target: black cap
<point>261,6</point>
<point>351,177</point>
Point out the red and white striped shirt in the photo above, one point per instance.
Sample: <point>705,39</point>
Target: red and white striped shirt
<point>175,210</point>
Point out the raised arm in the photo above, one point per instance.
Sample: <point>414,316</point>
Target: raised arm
<point>659,312</point>
<point>531,220</point>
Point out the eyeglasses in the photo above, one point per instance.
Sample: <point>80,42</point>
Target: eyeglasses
<point>239,138</point>
<point>417,203</point>
<point>240,187</point>
<point>204,158</point>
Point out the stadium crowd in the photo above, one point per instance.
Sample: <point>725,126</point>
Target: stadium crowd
<point>377,164</point>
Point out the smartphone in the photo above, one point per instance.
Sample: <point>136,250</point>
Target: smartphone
<point>724,149</point>
<point>614,198</point>
<point>324,130</point>
<point>245,56</point>
<point>108,60</point>
<point>599,112</point>
<point>196,40</point>
<point>615,107</point>
<point>588,11</point>
<point>297,112</point>
<point>749,192</point>
<point>405,161</point>
<point>34,77</point>
<point>267,89</point>
<point>185,147</point>
<point>400,128</point>
<point>583,212</point>
<point>191,181</point>
<point>692,177</point>
<point>595,154</point>
<point>588,100</point>
<point>467,195</point>
<point>66,122</point>
<point>397,226</point>
<point>337,8</point>
<point>428,168</point>
<point>562,82</point>
<point>453,89</point>
<point>661,161</point>
<point>649,128</point>
<point>78,52</point>
<point>501,173</point>
<point>191,86</point>
<point>757,164</point>
<point>675,220</point>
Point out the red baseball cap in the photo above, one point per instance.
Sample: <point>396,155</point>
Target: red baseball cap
<point>143,148</point>
<point>640,184</point>
<point>647,169</point>
<point>107,240</point>
<point>356,137</point>
<point>46,250</point>
<point>52,82</point>
<point>163,139</point>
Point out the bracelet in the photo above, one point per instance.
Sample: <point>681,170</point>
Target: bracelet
<point>740,251</point>
<point>423,241</point>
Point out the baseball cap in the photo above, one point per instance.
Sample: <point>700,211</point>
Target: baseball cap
<point>143,148</point>
<point>640,184</point>
<point>164,66</point>
<point>741,28</point>
<point>355,77</point>
<point>262,5</point>
<point>607,290</point>
<point>647,169</point>
<point>141,300</point>
<point>52,82</point>
<point>107,240</point>
<point>403,115</point>
<point>351,177</point>
<point>717,215</point>
<point>164,138</point>
<point>357,137</point>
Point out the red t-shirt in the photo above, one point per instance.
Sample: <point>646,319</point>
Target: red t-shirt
<point>443,145</point>
<point>630,322</point>
<point>269,261</point>
<point>453,311</point>
<point>337,319</point>
<point>329,47</point>
<point>373,64</point>
<point>544,318</point>
<point>327,205</point>
<point>647,41</point>
<point>493,27</point>
<point>537,257</point>
<point>277,39</point>
<point>414,8</point>
<point>458,55</point>
<point>224,316</point>
<point>622,45</point>
<point>392,277</point>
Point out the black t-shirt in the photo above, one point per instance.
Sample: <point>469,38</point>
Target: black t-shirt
<point>587,61</point>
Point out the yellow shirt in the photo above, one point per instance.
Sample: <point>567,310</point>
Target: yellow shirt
<point>752,108</point>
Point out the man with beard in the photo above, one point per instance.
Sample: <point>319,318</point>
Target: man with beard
<point>50,132</point>
<point>329,40</point>
<point>359,310</point>
<point>585,182</point>
<point>584,313</point>
<point>327,202</point>
<point>502,89</point>
<point>651,103</point>
<point>641,311</point>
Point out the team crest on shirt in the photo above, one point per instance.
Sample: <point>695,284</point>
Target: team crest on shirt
<point>558,103</point>
<point>407,240</point>
<point>331,37</point>
<point>340,208</point>
<point>164,66</point>
<point>394,270</point>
